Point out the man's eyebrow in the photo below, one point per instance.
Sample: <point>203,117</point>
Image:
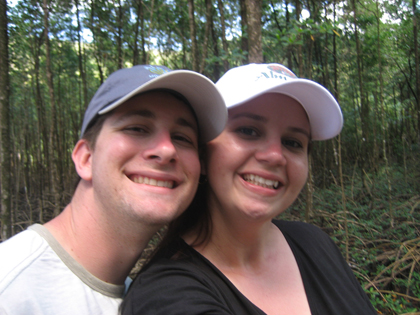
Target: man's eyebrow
<point>185,123</point>
<point>249,115</point>
<point>141,112</point>
<point>145,113</point>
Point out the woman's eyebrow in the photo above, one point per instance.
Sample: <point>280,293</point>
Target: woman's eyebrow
<point>264,119</point>
<point>249,115</point>
<point>301,130</point>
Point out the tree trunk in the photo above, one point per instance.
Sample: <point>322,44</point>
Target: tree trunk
<point>336,92</point>
<point>5,153</point>
<point>224,41</point>
<point>152,8</point>
<point>209,7</point>
<point>216,68</point>
<point>416,64</point>
<point>193,36</point>
<point>343,200</point>
<point>299,47</point>
<point>143,43</point>
<point>51,135</point>
<point>309,191</point>
<point>364,112</point>
<point>80,57</point>
<point>139,19</point>
<point>253,9</point>
<point>382,109</point>
<point>119,16</point>
<point>288,49</point>
<point>95,43</point>
<point>244,29</point>
<point>42,151</point>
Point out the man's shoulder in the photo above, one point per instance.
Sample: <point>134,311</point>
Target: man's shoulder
<point>33,278</point>
<point>22,248</point>
<point>18,254</point>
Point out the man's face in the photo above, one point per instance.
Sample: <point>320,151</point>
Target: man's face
<point>145,165</point>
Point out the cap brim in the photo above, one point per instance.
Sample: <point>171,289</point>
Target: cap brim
<point>323,111</point>
<point>201,93</point>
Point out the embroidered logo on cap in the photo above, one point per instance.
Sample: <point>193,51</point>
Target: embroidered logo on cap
<point>157,71</point>
<point>282,70</point>
<point>277,72</point>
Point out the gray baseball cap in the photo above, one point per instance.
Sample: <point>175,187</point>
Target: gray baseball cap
<point>201,93</point>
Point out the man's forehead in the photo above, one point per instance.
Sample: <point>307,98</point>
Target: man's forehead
<point>147,108</point>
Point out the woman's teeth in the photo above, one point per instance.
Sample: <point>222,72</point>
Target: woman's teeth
<point>257,180</point>
<point>153,182</point>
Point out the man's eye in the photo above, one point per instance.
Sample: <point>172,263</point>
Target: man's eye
<point>247,131</point>
<point>136,129</point>
<point>183,139</point>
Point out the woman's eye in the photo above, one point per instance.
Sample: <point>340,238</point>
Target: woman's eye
<point>292,143</point>
<point>247,131</point>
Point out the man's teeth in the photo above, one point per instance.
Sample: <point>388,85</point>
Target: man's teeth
<point>153,182</point>
<point>257,180</point>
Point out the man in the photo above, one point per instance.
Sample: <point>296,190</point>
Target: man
<point>138,162</point>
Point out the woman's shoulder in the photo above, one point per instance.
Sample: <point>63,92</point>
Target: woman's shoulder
<point>305,234</point>
<point>297,227</point>
<point>176,256</point>
<point>171,278</point>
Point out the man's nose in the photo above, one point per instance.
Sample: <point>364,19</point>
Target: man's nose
<point>162,149</point>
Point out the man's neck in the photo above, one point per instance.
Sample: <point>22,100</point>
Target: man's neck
<point>107,252</point>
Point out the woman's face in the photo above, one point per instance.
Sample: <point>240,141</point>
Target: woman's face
<point>259,164</point>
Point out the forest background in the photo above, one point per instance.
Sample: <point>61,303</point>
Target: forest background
<point>364,187</point>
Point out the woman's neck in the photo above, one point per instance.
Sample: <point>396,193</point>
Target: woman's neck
<point>237,244</point>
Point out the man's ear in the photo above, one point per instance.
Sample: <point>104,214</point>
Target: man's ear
<point>82,159</point>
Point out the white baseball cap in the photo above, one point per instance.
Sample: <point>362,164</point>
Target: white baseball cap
<point>200,92</point>
<point>241,84</point>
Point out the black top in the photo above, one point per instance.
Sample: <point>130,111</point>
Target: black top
<point>179,280</point>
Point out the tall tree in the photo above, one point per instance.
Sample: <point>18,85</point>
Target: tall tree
<point>224,41</point>
<point>193,32</point>
<point>298,9</point>
<point>416,63</point>
<point>209,7</point>
<point>5,160</point>
<point>118,7</point>
<point>80,55</point>
<point>52,132</point>
<point>139,25</point>
<point>253,10</point>
<point>244,29</point>
<point>364,112</point>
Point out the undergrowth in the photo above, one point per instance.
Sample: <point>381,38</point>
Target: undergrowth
<point>383,234</point>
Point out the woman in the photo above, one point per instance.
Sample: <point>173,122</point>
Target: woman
<point>226,254</point>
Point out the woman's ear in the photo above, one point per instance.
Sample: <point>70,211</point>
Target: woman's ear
<point>82,159</point>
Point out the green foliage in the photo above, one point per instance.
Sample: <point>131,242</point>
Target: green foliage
<point>383,233</point>
<point>379,142</point>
